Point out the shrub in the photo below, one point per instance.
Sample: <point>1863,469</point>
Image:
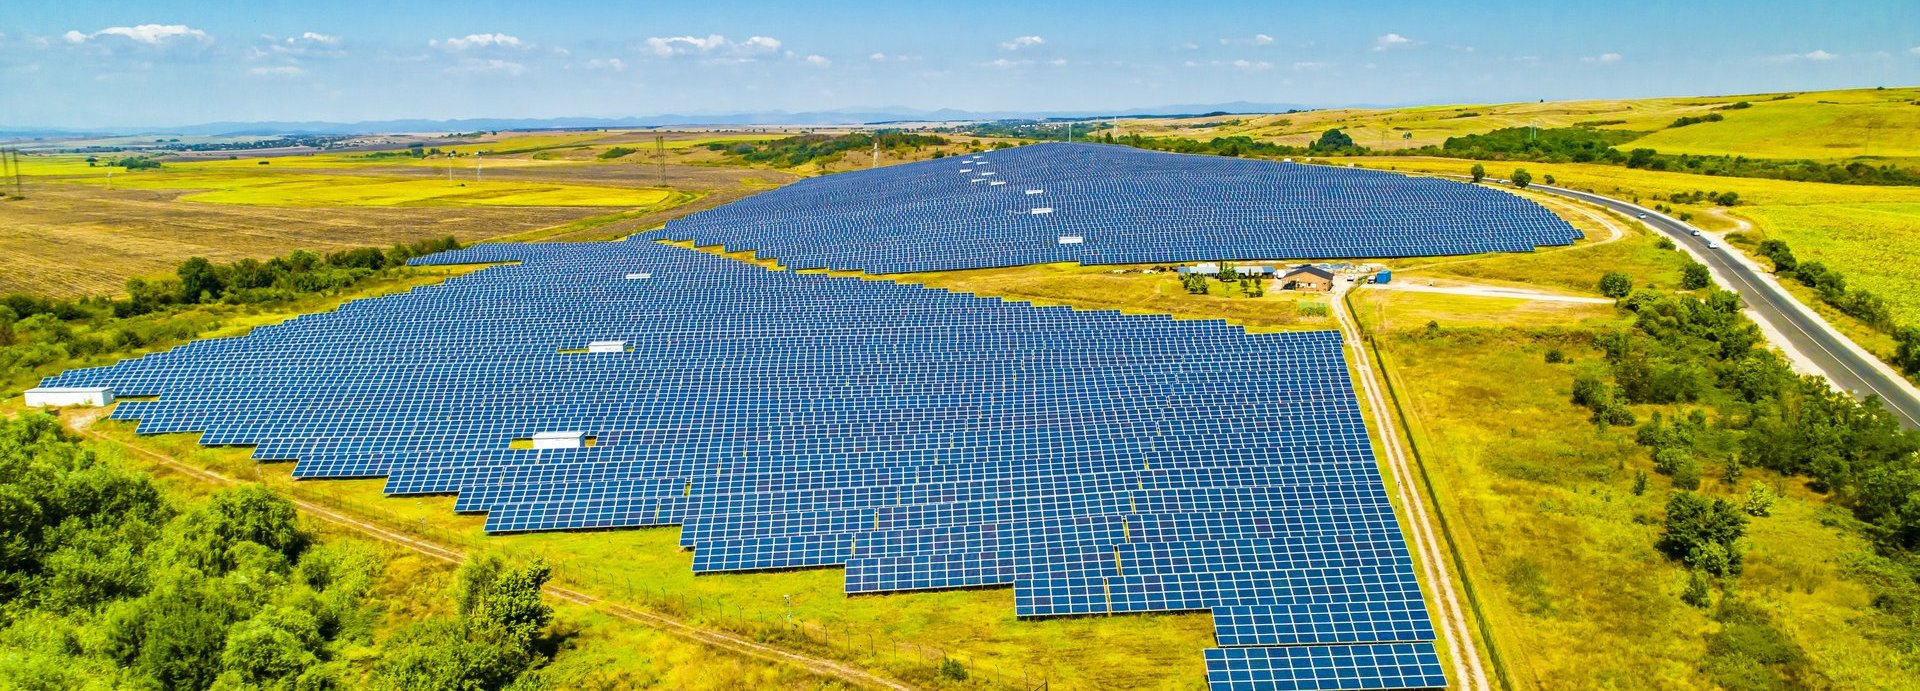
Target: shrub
<point>1703,533</point>
<point>1616,285</point>
<point>1696,276</point>
<point>1759,501</point>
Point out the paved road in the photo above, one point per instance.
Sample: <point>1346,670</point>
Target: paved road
<point>1827,349</point>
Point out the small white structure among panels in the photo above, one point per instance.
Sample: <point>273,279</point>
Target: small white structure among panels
<point>1071,239</point>
<point>639,276</point>
<point>559,440</point>
<point>60,396</point>
<point>607,347</point>
<point>1041,210</point>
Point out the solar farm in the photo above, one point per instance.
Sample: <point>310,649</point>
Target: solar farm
<point>1096,204</point>
<point>1096,462</point>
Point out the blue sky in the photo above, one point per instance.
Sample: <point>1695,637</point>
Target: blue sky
<point>170,62</point>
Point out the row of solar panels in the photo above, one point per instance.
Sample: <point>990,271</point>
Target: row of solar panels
<point>1098,204</point>
<point>1096,462</point>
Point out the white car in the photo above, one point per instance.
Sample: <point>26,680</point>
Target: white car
<point>1643,215</point>
<point>1696,233</point>
<point>1712,245</point>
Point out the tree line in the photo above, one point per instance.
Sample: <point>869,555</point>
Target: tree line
<point>37,331</point>
<point>807,148</point>
<point>1578,144</point>
<point>110,579</point>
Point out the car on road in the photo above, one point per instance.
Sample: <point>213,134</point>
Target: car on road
<point>1696,233</point>
<point>1712,245</point>
<point>1643,215</point>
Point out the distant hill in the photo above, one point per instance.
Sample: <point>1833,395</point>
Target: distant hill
<point>1821,125</point>
<point>851,116</point>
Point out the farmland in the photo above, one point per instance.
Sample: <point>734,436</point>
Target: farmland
<point>143,222</point>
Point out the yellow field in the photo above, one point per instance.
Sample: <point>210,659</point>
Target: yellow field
<point>1877,246</point>
<point>1817,124</point>
<point>271,189</point>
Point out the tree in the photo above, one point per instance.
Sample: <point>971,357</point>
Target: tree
<point>198,281</point>
<point>1704,534</point>
<point>1333,140</point>
<point>1696,276</point>
<point>1906,355</point>
<point>276,644</point>
<point>1616,285</point>
<point>1521,178</point>
<point>1479,172</point>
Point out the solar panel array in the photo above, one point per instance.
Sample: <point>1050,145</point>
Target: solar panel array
<point>1096,462</point>
<point>1105,204</point>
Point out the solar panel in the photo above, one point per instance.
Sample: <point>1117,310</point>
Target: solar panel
<point>1097,462</point>
<point>1109,204</point>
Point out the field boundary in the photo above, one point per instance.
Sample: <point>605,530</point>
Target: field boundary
<point>1452,624</point>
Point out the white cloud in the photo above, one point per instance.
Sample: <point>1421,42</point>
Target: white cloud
<point>711,45</point>
<point>1810,56</point>
<point>479,41</point>
<point>1602,59</point>
<point>1195,46</point>
<point>1058,62</point>
<point>1256,40</point>
<point>1309,66</point>
<point>1914,50</point>
<point>282,71</point>
<point>613,64</point>
<point>883,57</point>
<point>818,61</point>
<point>878,57</point>
<point>491,66</point>
<point>316,37</point>
<point>150,34</point>
<point>1391,41</point>
<point>1020,42</point>
<point>1005,63</point>
<point>1245,64</point>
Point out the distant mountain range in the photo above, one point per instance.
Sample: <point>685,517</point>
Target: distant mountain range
<point>849,116</point>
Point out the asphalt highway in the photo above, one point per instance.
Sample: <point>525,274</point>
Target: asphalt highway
<point>1827,349</point>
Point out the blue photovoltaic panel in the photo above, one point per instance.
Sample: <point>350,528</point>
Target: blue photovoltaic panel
<point>1325,668</point>
<point>1097,462</point>
<point>1125,205</point>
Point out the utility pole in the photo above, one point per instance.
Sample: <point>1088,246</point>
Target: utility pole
<point>876,150</point>
<point>479,162</point>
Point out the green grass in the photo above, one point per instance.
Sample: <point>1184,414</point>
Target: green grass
<point>275,189</point>
<point>1860,122</point>
<point>1556,545</point>
<point>1877,246</point>
<point>1818,125</point>
<point>598,650</point>
<point>1382,309</point>
<point>909,632</point>
<point>1562,551</point>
